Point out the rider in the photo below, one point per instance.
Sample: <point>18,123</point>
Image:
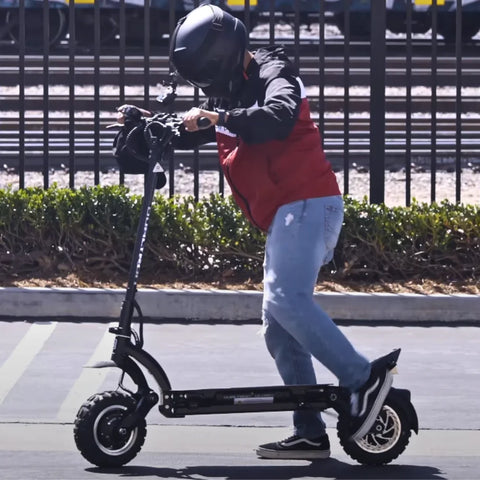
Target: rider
<point>271,154</point>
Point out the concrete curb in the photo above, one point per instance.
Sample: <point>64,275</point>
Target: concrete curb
<point>231,305</point>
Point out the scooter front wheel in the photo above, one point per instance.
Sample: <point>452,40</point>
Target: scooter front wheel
<point>98,433</point>
<point>386,440</point>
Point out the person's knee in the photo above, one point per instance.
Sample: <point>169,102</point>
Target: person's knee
<point>271,333</point>
<point>290,307</point>
<point>277,339</point>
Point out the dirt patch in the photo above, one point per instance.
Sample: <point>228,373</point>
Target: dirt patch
<point>426,287</point>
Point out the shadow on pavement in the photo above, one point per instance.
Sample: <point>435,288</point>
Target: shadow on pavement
<point>332,469</point>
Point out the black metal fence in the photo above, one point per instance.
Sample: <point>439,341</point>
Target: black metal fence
<point>399,112</point>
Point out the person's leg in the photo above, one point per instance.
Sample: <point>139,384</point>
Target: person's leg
<point>294,365</point>
<point>301,239</point>
<point>309,440</point>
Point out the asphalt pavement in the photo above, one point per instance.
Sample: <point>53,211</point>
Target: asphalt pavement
<point>43,383</point>
<point>213,453</point>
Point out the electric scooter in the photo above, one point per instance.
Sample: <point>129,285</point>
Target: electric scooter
<point>110,427</point>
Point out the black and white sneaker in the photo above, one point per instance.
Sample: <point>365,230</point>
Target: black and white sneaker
<point>296,448</point>
<point>367,402</point>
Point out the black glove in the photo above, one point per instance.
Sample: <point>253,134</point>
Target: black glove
<point>130,147</point>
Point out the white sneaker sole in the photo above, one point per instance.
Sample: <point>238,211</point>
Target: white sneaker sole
<point>292,454</point>
<point>377,406</point>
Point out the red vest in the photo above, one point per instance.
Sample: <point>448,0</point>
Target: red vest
<point>265,176</point>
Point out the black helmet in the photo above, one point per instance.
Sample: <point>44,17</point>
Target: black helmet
<point>207,49</point>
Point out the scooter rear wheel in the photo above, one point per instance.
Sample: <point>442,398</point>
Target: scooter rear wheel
<point>98,434</point>
<point>385,441</point>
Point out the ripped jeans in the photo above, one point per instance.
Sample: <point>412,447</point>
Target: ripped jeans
<point>300,240</point>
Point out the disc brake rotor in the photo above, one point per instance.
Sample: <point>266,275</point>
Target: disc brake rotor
<point>384,434</point>
<point>108,437</point>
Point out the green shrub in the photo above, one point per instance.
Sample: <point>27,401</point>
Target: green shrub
<point>431,241</point>
<point>91,231</point>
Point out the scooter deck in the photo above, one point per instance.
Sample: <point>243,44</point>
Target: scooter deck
<point>179,403</point>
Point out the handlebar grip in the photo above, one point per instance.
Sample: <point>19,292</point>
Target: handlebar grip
<point>203,122</point>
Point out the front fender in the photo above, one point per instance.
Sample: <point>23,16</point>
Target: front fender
<point>129,360</point>
<point>131,357</point>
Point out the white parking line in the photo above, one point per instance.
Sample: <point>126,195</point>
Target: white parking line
<point>89,381</point>
<point>23,354</point>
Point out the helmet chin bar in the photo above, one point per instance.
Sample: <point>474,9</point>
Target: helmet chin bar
<point>228,90</point>
<point>217,91</point>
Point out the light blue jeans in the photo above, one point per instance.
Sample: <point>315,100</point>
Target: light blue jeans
<point>300,240</point>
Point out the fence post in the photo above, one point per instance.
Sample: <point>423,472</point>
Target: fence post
<point>46,97</point>
<point>21,93</point>
<point>377,101</point>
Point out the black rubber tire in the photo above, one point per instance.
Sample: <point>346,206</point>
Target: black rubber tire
<point>34,26</point>
<point>359,24</point>
<point>447,26</point>
<point>85,27</point>
<point>96,436</point>
<point>387,439</point>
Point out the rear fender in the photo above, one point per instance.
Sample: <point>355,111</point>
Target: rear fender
<point>404,397</point>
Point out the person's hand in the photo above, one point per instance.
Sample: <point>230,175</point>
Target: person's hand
<point>190,119</point>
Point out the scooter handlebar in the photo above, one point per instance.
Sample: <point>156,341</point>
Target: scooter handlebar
<point>203,122</point>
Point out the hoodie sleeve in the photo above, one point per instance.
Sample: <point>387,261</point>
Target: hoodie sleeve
<point>275,119</point>
<point>190,140</point>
